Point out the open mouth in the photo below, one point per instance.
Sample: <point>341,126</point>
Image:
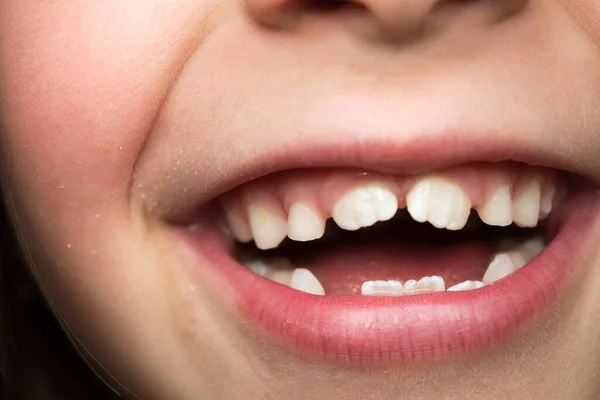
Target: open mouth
<point>350,264</point>
<point>388,252</point>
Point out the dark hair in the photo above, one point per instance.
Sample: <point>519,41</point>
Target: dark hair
<point>36,358</point>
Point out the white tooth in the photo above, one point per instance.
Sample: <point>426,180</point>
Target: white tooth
<point>501,266</point>
<point>523,252</point>
<point>427,284</point>
<point>381,288</point>
<point>238,225</point>
<point>518,259</point>
<point>268,228</point>
<point>441,202</point>
<point>466,285</point>
<point>532,247</point>
<point>526,206</point>
<point>258,267</point>
<point>547,201</point>
<point>277,270</point>
<point>497,211</point>
<point>304,280</point>
<point>364,206</point>
<point>304,223</point>
<point>283,276</point>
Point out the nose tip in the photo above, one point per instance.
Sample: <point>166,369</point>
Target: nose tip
<point>395,17</point>
<point>277,13</point>
<point>391,16</point>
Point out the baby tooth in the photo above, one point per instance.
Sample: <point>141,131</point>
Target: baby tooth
<point>547,201</point>
<point>497,211</point>
<point>532,247</point>
<point>238,225</point>
<point>304,223</point>
<point>268,228</point>
<point>523,252</point>
<point>501,266</point>
<point>526,206</point>
<point>518,259</point>
<point>381,288</point>
<point>276,270</point>
<point>364,206</point>
<point>427,284</point>
<point>441,202</point>
<point>304,280</point>
<point>258,267</point>
<point>466,285</point>
<point>283,276</point>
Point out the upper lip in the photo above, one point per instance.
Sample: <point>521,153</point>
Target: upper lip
<point>178,199</point>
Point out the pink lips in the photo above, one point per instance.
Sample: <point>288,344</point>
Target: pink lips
<point>424,327</point>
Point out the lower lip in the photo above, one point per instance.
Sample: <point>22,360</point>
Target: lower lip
<point>410,328</point>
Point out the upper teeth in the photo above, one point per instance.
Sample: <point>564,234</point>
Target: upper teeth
<point>268,227</point>
<point>526,207</point>
<point>305,223</point>
<point>437,199</point>
<point>497,210</point>
<point>364,206</point>
<point>268,213</point>
<point>441,202</point>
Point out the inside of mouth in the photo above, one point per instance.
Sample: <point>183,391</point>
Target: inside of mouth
<point>347,232</point>
<point>399,250</point>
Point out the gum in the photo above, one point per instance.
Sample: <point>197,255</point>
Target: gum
<point>321,189</point>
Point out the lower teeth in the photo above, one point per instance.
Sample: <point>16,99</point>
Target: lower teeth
<point>511,257</point>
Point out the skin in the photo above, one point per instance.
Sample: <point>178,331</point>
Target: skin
<point>96,95</point>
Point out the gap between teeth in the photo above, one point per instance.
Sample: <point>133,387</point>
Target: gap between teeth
<point>431,198</point>
<point>502,265</point>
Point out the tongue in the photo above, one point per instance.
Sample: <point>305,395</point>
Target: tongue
<point>342,269</point>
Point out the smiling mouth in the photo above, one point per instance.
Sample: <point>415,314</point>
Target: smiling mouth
<point>365,266</point>
<point>395,256</point>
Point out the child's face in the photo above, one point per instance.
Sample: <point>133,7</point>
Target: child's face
<point>122,120</point>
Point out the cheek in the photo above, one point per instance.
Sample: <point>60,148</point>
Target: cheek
<point>587,14</point>
<point>81,85</point>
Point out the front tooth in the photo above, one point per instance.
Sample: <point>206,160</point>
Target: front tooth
<point>381,288</point>
<point>304,223</point>
<point>466,285</point>
<point>501,266</point>
<point>497,211</point>
<point>526,206</point>
<point>364,206</point>
<point>268,228</point>
<point>304,280</point>
<point>441,202</point>
<point>427,284</point>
